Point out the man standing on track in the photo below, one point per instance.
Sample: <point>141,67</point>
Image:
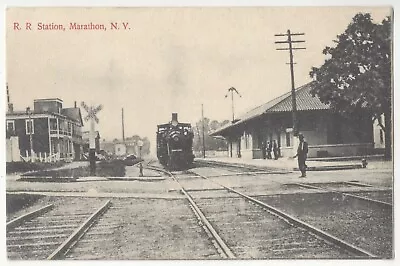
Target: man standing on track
<point>301,155</point>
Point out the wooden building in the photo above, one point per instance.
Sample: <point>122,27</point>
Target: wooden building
<point>48,132</point>
<point>327,133</point>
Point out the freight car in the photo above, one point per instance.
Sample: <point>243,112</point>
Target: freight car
<point>174,144</point>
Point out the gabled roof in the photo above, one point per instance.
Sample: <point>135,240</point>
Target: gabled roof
<point>73,113</point>
<point>304,102</point>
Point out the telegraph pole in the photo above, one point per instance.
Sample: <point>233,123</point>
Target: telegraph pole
<point>290,49</point>
<point>202,122</point>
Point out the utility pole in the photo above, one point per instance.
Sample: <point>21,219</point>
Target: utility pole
<point>123,126</point>
<point>232,90</point>
<point>290,49</point>
<point>202,122</point>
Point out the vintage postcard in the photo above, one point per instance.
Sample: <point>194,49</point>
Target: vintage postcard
<point>199,133</point>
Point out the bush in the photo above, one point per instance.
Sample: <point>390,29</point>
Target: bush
<point>103,168</point>
<point>111,168</point>
<point>14,167</point>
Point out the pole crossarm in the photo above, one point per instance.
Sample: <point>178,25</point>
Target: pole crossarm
<point>290,48</point>
<point>288,41</point>
<point>291,34</point>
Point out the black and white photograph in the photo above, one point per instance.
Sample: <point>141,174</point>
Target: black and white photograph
<point>206,133</point>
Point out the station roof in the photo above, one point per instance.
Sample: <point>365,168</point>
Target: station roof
<point>305,101</point>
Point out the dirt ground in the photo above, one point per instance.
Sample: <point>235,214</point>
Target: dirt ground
<point>141,209</point>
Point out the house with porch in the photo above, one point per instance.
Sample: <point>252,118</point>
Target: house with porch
<point>49,132</point>
<point>327,133</point>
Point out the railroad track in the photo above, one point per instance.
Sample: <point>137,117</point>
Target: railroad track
<point>384,204</point>
<point>364,195</point>
<point>50,232</point>
<point>244,227</point>
<point>145,229</point>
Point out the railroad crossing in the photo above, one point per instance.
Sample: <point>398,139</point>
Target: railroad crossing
<point>92,117</point>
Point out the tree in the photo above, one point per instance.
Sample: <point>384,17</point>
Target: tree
<point>356,77</point>
<point>145,141</point>
<point>211,143</point>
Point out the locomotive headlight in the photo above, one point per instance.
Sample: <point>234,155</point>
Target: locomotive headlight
<point>174,123</point>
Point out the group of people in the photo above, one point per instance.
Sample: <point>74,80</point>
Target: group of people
<point>270,148</point>
<point>301,155</point>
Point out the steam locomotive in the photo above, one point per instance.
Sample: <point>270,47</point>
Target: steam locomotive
<point>174,144</point>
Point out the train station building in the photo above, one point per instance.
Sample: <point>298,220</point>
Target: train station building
<point>328,134</point>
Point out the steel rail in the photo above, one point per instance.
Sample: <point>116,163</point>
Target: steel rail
<point>385,204</point>
<point>78,233</point>
<point>210,228</point>
<point>228,253</point>
<point>29,216</point>
<point>357,184</point>
<point>258,169</point>
<point>361,184</point>
<point>294,221</point>
<point>226,250</point>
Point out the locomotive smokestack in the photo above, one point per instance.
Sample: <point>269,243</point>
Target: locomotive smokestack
<point>174,117</point>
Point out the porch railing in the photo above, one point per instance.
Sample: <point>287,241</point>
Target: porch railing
<point>46,157</point>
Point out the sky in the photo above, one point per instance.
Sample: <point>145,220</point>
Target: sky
<point>169,60</point>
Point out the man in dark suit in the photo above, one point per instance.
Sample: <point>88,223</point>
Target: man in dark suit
<point>264,150</point>
<point>269,150</point>
<point>301,155</point>
<point>276,150</point>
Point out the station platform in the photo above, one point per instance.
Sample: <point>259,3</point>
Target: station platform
<point>290,164</point>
